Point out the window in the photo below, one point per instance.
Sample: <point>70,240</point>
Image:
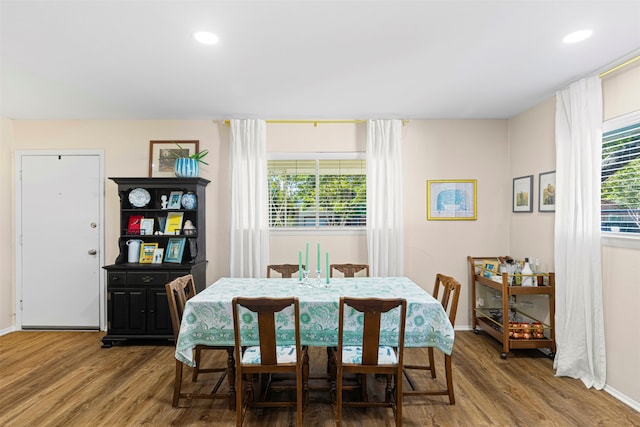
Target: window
<point>320,191</point>
<point>620,194</point>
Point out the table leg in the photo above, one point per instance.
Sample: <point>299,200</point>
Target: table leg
<point>231,378</point>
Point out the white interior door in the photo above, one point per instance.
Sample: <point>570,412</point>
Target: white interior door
<point>59,237</point>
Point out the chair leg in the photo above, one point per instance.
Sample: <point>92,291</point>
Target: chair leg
<point>432,364</point>
<point>196,369</point>
<point>177,384</point>
<point>300,396</point>
<point>449,374</point>
<point>239,395</point>
<point>338,397</point>
<point>398,396</point>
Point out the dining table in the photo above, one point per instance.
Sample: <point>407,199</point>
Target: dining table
<point>208,319</point>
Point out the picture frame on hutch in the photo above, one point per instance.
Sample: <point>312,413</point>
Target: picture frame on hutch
<point>163,155</point>
<point>452,199</point>
<point>522,191</point>
<point>547,192</point>
<point>175,249</point>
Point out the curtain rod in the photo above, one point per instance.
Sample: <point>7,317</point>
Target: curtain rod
<point>619,66</point>
<point>315,122</point>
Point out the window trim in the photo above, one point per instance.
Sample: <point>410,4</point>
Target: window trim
<point>318,155</point>
<point>611,238</point>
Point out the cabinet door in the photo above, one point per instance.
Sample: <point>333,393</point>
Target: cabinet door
<point>158,317</point>
<point>127,311</point>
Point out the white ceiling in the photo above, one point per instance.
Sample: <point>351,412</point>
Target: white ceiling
<point>300,59</point>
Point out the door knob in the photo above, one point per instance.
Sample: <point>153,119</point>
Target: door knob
<point>92,252</point>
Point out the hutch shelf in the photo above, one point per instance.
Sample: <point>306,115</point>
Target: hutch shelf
<point>519,328</point>
<point>137,306</point>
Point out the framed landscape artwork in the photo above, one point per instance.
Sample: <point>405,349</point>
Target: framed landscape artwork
<point>163,155</point>
<point>522,189</point>
<point>547,192</point>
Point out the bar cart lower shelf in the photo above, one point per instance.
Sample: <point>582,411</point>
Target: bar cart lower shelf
<point>519,329</point>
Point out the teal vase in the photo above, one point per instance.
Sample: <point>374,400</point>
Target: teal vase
<point>186,167</point>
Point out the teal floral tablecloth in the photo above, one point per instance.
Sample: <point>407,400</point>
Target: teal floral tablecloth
<point>208,319</point>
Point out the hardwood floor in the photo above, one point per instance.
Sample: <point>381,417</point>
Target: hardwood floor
<point>67,379</point>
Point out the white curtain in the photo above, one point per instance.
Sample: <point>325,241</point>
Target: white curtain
<point>385,242</point>
<point>579,309</point>
<point>249,224</point>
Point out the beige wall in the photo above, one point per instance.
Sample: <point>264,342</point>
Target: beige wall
<point>7,257</point>
<point>490,151</point>
<point>532,146</point>
<point>621,266</point>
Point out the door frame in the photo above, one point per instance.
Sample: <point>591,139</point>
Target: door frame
<point>19,154</point>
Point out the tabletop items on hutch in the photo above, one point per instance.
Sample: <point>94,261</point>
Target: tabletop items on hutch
<point>503,285</point>
<point>160,238</point>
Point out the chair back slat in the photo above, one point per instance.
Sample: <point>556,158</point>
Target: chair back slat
<point>349,270</point>
<point>372,310</point>
<point>450,295</point>
<point>179,291</point>
<point>285,270</point>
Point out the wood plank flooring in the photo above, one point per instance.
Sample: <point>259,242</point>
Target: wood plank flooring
<point>67,379</point>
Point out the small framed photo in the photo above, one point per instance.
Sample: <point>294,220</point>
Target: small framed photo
<point>163,155</point>
<point>174,200</point>
<point>489,268</point>
<point>522,190</point>
<point>175,249</point>
<point>157,256</point>
<point>146,226</point>
<point>547,192</point>
<point>146,252</point>
<point>173,224</point>
<point>451,199</point>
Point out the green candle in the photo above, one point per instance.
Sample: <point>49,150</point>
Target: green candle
<point>327,268</point>
<point>306,258</point>
<point>318,263</point>
<point>300,266</point>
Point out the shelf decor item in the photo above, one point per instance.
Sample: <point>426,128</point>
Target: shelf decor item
<point>174,200</point>
<point>451,199</point>
<point>174,223</point>
<point>139,197</point>
<point>175,249</point>
<point>189,201</point>
<point>547,192</point>
<point>146,252</point>
<point>146,226</point>
<point>163,155</point>
<point>522,191</point>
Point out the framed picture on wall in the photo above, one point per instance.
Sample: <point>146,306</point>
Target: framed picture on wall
<point>163,155</point>
<point>522,190</point>
<point>547,192</point>
<point>451,199</point>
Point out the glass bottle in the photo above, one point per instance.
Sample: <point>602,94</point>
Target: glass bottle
<point>527,274</point>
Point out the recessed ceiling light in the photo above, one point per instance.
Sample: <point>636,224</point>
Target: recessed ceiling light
<point>206,37</point>
<point>577,36</point>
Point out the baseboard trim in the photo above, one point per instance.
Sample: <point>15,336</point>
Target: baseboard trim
<point>622,398</point>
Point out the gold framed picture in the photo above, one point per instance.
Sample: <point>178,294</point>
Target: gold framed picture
<point>451,199</point>
<point>146,252</point>
<point>489,268</point>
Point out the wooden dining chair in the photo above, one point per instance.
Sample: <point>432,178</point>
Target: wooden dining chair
<point>179,291</point>
<point>285,270</point>
<point>253,362</point>
<point>370,357</point>
<point>349,270</point>
<point>449,299</point>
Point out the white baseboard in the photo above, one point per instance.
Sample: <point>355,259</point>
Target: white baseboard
<point>622,398</point>
<point>7,330</point>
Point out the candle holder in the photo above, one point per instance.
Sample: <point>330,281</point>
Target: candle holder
<point>305,277</point>
<point>318,276</point>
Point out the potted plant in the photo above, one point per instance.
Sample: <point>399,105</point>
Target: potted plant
<point>189,166</point>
